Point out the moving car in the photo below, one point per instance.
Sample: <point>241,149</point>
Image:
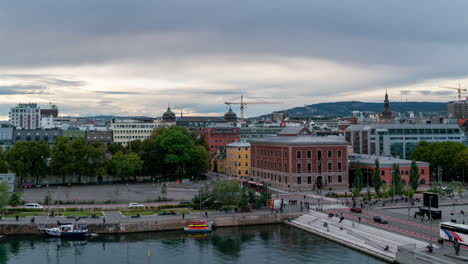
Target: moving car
<point>380,220</point>
<point>356,210</point>
<point>331,194</point>
<point>135,205</point>
<point>33,206</point>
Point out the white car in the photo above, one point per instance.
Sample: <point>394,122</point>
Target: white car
<point>33,206</point>
<point>135,205</point>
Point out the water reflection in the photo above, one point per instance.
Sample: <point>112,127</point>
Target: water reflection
<point>257,244</point>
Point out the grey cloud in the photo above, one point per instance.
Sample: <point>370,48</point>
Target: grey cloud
<point>23,89</point>
<point>428,92</point>
<point>405,92</point>
<point>116,92</point>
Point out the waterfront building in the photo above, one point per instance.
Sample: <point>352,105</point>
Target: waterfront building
<point>126,130</point>
<point>238,159</point>
<point>398,140</point>
<point>367,163</point>
<point>458,109</point>
<point>219,135</point>
<point>49,135</point>
<point>25,116</point>
<point>95,136</point>
<point>198,122</point>
<point>300,163</point>
<point>6,137</point>
<point>10,179</point>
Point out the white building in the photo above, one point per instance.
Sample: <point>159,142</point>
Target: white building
<point>126,130</point>
<point>27,116</point>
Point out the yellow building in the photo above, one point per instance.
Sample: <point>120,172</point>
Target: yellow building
<point>238,159</point>
<point>218,163</point>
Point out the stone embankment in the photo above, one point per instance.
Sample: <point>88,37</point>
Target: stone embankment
<point>157,225</point>
<point>376,242</point>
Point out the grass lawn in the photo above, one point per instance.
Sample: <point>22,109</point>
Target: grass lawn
<point>82,213</point>
<point>154,212</point>
<point>24,214</point>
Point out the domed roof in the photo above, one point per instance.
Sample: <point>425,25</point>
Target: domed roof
<point>230,116</point>
<point>169,116</point>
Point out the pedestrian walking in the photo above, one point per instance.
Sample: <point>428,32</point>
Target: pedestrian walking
<point>17,218</point>
<point>353,225</point>
<point>33,220</point>
<point>103,220</point>
<point>206,213</point>
<point>359,219</point>
<point>183,215</point>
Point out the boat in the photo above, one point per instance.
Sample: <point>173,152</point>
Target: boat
<point>66,230</point>
<point>198,227</point>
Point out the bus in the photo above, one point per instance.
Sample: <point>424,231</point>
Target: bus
<point>451,232</point>
<point>256,186</point>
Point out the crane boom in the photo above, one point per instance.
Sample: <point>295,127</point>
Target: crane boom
<point>459,89</point>
<point>242,104</point>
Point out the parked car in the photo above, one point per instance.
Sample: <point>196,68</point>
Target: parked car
<point>27,185</point>
<point>331,194</point>
<point>356,210</point>
<point>33,206</point>
<point>135,205</point>
<point>380,220</point>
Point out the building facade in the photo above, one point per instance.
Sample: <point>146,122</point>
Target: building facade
<point>198,122</point>
<point>73,134</point>
<point>49,135</point>
<point>218,136</point>
<point>398,140</point>
<point>458,109</point>
<point>6,137</point>
<point>300,163</point>
<point>238,160</point>
<point>126,130</point>
<point>255,132</point>
<point>367,163</point>
<point>25,116</point>
<point>104,137</point>
<point>10,179</point>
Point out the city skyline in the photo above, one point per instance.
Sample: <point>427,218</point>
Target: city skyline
<point>122,58</point>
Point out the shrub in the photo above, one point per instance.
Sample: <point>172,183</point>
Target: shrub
<point>15,199</point>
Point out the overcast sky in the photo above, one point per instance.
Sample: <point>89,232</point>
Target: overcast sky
<point>122,57</point>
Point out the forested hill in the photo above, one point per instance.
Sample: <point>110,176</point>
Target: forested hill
<point>344,109</point>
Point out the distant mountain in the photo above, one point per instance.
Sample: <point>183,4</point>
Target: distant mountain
<point>343,109</point>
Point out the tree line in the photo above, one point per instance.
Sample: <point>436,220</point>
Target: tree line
<point>172,152</point>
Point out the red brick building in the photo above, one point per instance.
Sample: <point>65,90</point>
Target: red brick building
<point>300,163</point>
<point>367,163</point>
<point>219,135</point>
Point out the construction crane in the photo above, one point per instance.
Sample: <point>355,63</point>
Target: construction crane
<point>242,104</point>
<point>459,89</point>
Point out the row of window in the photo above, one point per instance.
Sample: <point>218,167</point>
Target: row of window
<point>134,131</point>
<point>319,167</point>
<point>402,172</point>
<point>137,126</point>
<point>128,137</point>
<point>279,178</point>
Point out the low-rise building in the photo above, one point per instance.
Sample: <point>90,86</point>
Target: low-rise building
<point>126,130</point>
<point>253,132</point>
<point>73,134</point>
<point>367,163</point>
<point>199,122</point>
<point>300,163</point>
<point>104,137</point>
<point>398,140</point>
<point>6,137</point>
<point>238,159</point>
<point>219,135</point>
<point>49,135</point>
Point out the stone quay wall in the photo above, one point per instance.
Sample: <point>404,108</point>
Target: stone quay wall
<point>151,226</point>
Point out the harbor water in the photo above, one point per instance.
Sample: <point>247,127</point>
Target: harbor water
<point>252,244</point>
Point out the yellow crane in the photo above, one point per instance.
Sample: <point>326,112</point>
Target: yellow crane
<point>243,103</point>
<point>459,89</point>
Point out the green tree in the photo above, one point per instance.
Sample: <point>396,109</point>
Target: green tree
<point>3,163</point>
<point>125,165</point>
<point>15,199</point>
<point>377,179</point>
<point>396,186</point>
<point>462,162</point>
<point>29,158</point>
<point>414,176</point>
<point>265,195</point>
<point>4,193</point>
<point>115,147</point>
<point>227,193</point>
<point>358,182</point>
<point>244,204</point>
<point>134,146</point>
<point>62,158</point>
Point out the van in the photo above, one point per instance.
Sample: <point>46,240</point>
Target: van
<point>33,206</point>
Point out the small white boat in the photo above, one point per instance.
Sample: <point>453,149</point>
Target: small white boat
<point>66,230</point>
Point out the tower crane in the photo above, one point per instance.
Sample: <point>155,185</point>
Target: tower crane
<point>459,89</point>
<point>243,103</point>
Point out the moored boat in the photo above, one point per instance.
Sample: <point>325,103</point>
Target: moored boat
<point>66,230</point>
<point>198,227</point>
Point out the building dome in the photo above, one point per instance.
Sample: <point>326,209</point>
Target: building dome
<point>230,116</point>
<point>169,116</point>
